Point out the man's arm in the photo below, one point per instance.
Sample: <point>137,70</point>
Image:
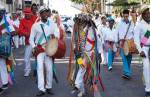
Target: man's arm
<point>137,31</point>
<point>32,36</point>
<point>56,31</point>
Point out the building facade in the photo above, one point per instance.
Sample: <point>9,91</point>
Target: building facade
<point>17,4</point>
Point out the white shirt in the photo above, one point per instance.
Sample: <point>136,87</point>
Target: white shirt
<point>140,30</point>
<point>16,23</point>
<point>91,36</point>
<point>110,34</point>
<point>121,29</point>
<point>101,32</point>
<point>99,41</point>
<point>97,22</point>
<point>36,32</point>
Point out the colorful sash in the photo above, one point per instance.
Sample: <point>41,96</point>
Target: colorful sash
<point>145,38</point>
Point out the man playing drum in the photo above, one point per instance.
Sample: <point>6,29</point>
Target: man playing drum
<point>142,41</point>
<point>101,32</point>
<point>41,33</point>
<point>4,31</point>
<point>125,31</point>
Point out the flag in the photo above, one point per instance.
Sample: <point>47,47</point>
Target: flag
<point>4,25</point>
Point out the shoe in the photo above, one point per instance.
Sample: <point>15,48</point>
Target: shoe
<point>40,93</point>
<point>80,94</point>
<point>109,68</point>
<point>1,91</point>
<point>26,74</point>
<point>49,91</point>
<point>74,90</point>
<point>147,94</point>
<point>4,87</point>
<point>126,77</point>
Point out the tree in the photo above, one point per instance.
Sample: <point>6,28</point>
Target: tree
<point>90,5</point>
<point>78,1</point>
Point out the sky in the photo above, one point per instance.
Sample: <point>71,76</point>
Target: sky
<point>63,7</point>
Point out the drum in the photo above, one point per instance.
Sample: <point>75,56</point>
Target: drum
<point>130,47</point>
<point>56,48</point>
<point>5,46</point>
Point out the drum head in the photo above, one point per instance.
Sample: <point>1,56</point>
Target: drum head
<point>126,48</point>
<point>52,47</point>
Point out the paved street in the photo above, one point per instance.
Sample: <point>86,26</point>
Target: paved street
<point>115,86</point>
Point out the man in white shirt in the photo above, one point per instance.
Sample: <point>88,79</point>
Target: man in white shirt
<point>101,32</point>
<point>123,27</point>
<point>142,41</point>
<point>110,40</point>
<point>41,32</point>
<point>16,26</point>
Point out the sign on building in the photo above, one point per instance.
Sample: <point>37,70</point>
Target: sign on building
<point>9,1</point>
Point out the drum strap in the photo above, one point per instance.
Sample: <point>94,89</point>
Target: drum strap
<point>44,32</point>
<point>127,30</point>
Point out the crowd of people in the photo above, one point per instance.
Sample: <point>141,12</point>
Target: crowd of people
<point>95,40</point>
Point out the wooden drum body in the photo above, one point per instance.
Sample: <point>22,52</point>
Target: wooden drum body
<point>56,48</point>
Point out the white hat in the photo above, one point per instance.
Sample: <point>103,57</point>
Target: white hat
<point>42,8</point>
<point>2,7</point>
<point>144,7</point>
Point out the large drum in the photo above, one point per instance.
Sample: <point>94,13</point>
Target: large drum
<point>5,46</point>
<point>130,47</point>
<point>56,48</point>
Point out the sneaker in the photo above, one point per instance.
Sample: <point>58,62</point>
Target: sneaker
<point>126,77</point>
<point>80,94</point>
<point>4,87</point>
<point>26,74</point>
<point>109,68</point>
<point>74,90</point>
<point>1,91</point>
<point>49,91</point>
<point>147,94</point>
<point>40,93</point>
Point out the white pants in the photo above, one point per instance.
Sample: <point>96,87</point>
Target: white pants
<point>79,82</point>
<point>104,57</point>
<point>44,63</point>
<point>22,40</point>
<point>27,56</point>
<point>146,69</point>
<point>16,41</point>
<point>3,71</point>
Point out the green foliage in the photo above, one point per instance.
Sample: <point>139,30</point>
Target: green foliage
<point>78,1</point>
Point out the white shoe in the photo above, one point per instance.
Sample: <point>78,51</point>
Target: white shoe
<point>27,73</point>
<point>80,94</point>
<point>110,68</point>
<point>73,91</point>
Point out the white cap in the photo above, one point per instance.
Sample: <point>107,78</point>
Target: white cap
<point>144,7</point>
<point>2,7</point>
<point>42,8</point>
